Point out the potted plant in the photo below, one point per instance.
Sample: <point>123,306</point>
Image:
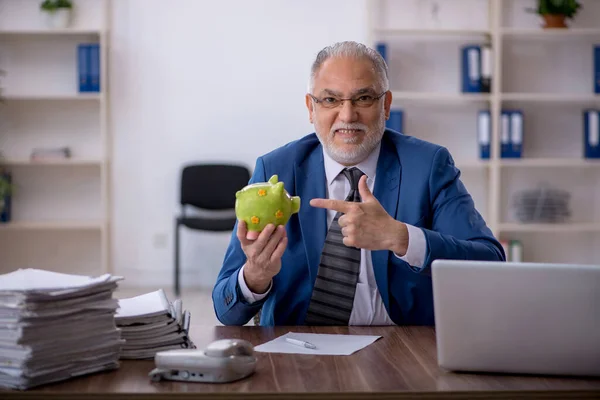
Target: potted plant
<point>556,12</point>
<point>6,190</point>
<point>58,12</point>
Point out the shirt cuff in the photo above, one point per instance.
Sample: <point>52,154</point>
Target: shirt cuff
<point>248,295</point>
<point>417,246</point>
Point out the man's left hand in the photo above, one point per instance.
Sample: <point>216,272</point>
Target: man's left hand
<point>367,225</point>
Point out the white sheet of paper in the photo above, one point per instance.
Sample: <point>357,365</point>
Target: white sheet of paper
<point>145,305</point>
<point>36,279</point>
<point>327,344</point>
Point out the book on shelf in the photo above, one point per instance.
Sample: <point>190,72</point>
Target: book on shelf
<point>486,68</point>
<point>476,68</point>
<point>484,133</point>
<point>381,48</point>
<point>591,133</point>
<point>396,120</point>
<point>88,67</point>
<point>50,153</point>
<point>597,69</point>
<point>515,249</point>
<point>504,133</point>
<point>5,196</point>
<point>511,133</point>
<point>516,133</point>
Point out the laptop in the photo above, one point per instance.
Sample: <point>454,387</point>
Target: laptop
<point>524,318</point>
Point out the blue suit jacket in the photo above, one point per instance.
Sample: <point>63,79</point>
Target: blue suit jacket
<point>416,182</point>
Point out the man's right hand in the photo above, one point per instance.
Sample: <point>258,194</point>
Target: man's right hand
<point>263,255</point>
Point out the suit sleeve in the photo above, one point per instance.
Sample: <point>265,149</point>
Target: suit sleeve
<point>457,231</point>
<point>231,308</point>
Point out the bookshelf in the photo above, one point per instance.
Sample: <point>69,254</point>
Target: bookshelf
<point>433,97</point>
<point>424,40</point>
<point>73,162</point>
<point>53,97</point>
<point>61,207</point>
<point>541,228</point>
<point>54,225</point>
<point>550,33</point>
<point>49,32</point>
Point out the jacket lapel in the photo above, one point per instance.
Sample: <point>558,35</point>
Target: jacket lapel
<point>310,184</point>
<point>387,190</point>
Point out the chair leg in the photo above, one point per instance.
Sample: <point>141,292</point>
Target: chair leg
<point>177,288</point>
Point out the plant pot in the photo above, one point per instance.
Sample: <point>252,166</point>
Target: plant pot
<point>554,21</point>
<point>59,19</point>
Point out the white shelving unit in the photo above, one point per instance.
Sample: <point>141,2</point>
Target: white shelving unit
<point>54,225</point>
<point>61,208</point>
<point>424,38</point>
<point>550,33</point>
<point>41,163</point>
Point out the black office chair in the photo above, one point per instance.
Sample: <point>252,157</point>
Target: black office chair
<point>209,188</point>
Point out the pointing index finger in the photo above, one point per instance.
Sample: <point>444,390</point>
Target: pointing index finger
<point>336,205</point>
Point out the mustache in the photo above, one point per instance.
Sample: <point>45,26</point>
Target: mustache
<point>354,126</point>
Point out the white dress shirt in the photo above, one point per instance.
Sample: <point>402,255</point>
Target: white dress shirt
<point>368,308</point>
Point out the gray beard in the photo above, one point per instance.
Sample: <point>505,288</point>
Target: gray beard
<point>360,152</point>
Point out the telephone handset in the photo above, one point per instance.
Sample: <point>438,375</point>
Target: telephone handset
<point>224,360</point>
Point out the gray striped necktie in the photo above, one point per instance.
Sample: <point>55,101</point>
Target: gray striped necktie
<point>333,294</point>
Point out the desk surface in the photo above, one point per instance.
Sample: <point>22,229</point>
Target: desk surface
<point>402,364</point>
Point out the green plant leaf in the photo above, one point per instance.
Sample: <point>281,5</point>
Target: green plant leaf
<point>53,5</point>
<point>568,8</point>
<point>6,188</point>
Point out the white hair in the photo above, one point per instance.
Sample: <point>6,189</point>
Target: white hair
<point>354,50</point>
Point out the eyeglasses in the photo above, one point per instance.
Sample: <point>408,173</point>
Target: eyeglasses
<point>362,101</point>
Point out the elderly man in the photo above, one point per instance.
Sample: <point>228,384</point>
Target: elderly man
<point>377,208</point>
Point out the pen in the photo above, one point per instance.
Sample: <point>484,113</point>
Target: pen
<point>301,343</point>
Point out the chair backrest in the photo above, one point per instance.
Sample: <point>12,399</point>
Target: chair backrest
<point>212,186</point>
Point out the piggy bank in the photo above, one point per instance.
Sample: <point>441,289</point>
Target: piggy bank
<point>260,204</point>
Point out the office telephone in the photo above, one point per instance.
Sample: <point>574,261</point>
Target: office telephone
<point>224,360</point>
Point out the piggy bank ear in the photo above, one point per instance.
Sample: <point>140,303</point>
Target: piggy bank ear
<point>278,188</point>
<point>273,180</point>
<point>237,194</point>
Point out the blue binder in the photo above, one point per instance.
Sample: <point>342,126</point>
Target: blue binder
<point>94,67</point>
<point>395,121</point>
<point>471,69</point>
<point>597,69</point>
<point>5,214</point>
<point>83,71</point>
<point>486,69</point>
<point>382,49</point>
<point>516,134</point>
<point>505,134</point>
<point>591,133</point>
<point>484,133</point>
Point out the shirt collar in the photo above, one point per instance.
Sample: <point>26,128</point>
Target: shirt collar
<point>368,166</point>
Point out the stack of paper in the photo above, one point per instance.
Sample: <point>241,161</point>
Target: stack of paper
<point>56,326</point>
<point>150,323</point>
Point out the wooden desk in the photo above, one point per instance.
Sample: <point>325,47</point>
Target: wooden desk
<point>402,364</point>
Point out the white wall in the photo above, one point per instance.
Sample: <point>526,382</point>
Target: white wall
<point>203,81</point>
<point>225,81</point>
